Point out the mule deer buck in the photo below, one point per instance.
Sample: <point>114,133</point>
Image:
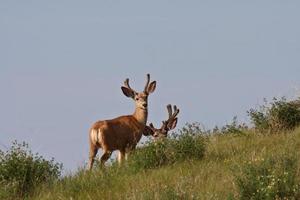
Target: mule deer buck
<point>166,126</point>
<point>124,132</point>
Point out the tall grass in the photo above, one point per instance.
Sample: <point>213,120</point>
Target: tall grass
<point>269,178</point>
<point>21,171</point>
<point>277,116</point>
<point>228,167</point>
<point>189,144</point>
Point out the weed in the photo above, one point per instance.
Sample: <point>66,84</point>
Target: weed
<point>189,144</point>
<point>280,115</point>
<point>270,178</point>
<point>21,171</point>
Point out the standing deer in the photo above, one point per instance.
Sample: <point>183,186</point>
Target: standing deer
<point>166,126</point>
<point>124,132</point>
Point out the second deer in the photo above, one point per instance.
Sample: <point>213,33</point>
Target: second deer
<point>166,126</point>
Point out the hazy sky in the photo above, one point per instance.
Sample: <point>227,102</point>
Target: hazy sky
<point>62,64</point>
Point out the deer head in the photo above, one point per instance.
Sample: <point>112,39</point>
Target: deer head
<point>140,98</point>
<point>166,126</point>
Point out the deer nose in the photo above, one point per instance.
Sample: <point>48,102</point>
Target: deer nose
<point>145,105</point>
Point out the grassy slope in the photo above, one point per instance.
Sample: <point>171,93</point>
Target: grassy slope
<point>210,178</point>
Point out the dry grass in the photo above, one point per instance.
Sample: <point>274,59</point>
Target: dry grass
<point>210,178</point>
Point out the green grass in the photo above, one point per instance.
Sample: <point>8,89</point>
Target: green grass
<point>212,177</point>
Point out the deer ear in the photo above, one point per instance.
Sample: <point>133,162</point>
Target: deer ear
<point>173,125</point>
<point>148,131</point>
<point>151,87</point>
<point>151,125</point>
<point>127,92</point>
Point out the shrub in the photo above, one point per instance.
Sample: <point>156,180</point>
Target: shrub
<point>189,144</point>
<point>277,116</point>
<point>21,171</point>
<point>234,127</point>
<point>273,178</point>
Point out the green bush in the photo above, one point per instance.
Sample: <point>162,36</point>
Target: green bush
<point>21,171</point>
<point>189,144</point>
<point>273,178</point>
<point>234,127</point>
<point>279,115</point>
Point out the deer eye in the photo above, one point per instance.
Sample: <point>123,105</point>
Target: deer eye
<point>136,98</point>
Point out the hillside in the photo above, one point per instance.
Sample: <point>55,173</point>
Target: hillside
<point>223,173</point>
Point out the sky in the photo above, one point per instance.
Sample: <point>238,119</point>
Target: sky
<point>62,64</point>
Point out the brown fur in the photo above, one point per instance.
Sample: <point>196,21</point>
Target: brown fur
<point>124,132</point>
<point>115,135</point>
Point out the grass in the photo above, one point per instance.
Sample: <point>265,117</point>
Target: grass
<point>22,171</point>
<point>212,177</point>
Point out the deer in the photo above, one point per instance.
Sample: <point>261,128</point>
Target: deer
<point>124,132</point>
<point>166,126</point>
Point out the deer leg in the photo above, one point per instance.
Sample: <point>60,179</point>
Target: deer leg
<point>129,151</point>
<point>93,152</point>
<point>106,155</point>
<point>121,156</point>
<point>126,156</point>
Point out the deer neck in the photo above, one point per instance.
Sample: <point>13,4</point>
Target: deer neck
<point>141,115</point>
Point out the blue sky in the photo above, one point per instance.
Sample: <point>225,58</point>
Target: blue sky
<point>62,64</point>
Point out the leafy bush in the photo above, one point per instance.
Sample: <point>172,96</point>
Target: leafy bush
<point>234,127</point>
<point>189,144</point>
<point>21,171</point>
<point>277,116</point>
<point>273,178</point>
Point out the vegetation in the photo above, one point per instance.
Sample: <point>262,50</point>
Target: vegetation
<point>277,116</point>
<point>231,162</point>
<point>246,166</point>
<point>273,178</point>
<point>21,171</point>
<point>188,145</point>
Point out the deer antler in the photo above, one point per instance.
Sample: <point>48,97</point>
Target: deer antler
<point>169,108</point>
<point>166,126</point>
<point>172,116</point>
<point>147,83</point>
